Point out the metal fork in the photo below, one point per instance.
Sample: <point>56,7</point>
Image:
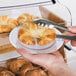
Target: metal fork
<point>46,23</point>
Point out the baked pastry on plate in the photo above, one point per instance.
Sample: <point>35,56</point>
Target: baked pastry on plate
<point>30,31</point>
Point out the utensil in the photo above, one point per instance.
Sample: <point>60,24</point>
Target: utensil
<point>50,24</point>
<point>67,47</point>
<point>47,23</point>
<point>34,49</point>
<point>66,37</point>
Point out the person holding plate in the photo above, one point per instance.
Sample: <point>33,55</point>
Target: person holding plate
<point>53,62</point>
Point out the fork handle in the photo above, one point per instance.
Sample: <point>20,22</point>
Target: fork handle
<point>66,37</point>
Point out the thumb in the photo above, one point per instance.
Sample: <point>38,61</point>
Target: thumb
<point>73,43</point>
<point>72,28</point>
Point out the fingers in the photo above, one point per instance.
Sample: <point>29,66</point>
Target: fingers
<point>35,58</point>
<point>27,55</point>
<point>66,40</point>
<point>73,43</point>
<point>72,28</point>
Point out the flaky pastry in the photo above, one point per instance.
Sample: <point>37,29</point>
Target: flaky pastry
<point>6,73</point>
<point>24,17</point>
<point>7,24</point>
<point>36,72</point>
<point>24,69</point>
<point>30,31</point>
<point>15,64</point>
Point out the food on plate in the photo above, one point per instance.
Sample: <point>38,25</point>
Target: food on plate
<point>24,17</point>
<point>7,24</point>
<point>36,72</point>
<point>15,64</point>
<point>30,33</point>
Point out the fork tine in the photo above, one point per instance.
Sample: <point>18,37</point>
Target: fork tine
<point>46,25</point>
<point>42,24</point>
<point>39,24</point>
<point>51,26</point>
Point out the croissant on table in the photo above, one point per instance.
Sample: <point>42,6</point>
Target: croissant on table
<point>24,17</point>
<point>22,67</point>
<point>7,24</point>
<point>5,72</point>
<point>36,72</point>
<point>15,64</point>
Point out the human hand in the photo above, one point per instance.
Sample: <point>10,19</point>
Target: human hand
<point>48,61</point>
<point>72,29</point>
<point>43,59</point>
<point>53,62</point>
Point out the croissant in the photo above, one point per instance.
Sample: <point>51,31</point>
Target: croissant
<point>15,64</point>
<point>36,72</point>
<point>2,68</point>
<point>6,73</point>
<point>30,30</point>
<point>7,24</point>
<point>24,69</point>
<point>24,17</point>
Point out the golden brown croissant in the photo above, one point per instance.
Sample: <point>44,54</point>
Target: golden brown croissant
<point>15,64</point>
<point>24,69</point>
<point>36,72</point>
<point>6,73</point>
<point>25,17</point>
<point>30,30</point>
<point>2,68</point>
<point>7,24</point>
